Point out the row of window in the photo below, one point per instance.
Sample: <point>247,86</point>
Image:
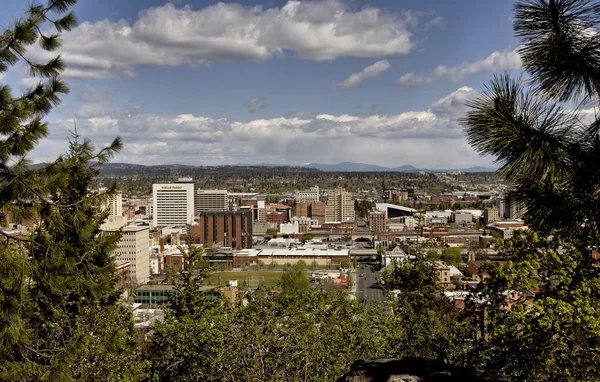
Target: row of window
<point>153,293</point>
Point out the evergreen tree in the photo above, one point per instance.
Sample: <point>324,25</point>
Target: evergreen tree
<point>543,305</point>
<point>544,133</point>
<point>59,314</point>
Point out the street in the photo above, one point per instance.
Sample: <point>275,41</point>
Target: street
<point>367,289</point>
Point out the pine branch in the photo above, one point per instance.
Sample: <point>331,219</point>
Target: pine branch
<point>561,46</point>
<point>46,201</point>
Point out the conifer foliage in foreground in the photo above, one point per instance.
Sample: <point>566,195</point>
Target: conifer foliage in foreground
<point>59,314</point>
<point>544,133</point>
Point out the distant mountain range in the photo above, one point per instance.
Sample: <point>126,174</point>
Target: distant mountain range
<point>362,167</point>
<point>340,167</point>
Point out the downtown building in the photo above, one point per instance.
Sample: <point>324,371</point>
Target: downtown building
<point>211,200</point>
<point>311,195</point>
<point>312,210</point>
<point>377,221</point>
<point>223,229</point>
<point>113,203</point>
<point>134,248</point>
<point>173,203</point>
<point>340,206</point>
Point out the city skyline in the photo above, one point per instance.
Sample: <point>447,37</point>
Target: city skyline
<point>382,82</point>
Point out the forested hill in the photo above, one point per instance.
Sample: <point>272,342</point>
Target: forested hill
<point>173,170</point>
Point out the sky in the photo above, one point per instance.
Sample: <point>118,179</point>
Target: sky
<point>276,82</point>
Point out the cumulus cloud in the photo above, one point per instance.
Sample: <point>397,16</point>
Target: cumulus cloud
<point>497,61</point>
<point>171,36</point>
<point>257,104</point>
<point>371,71</point>
<point>453,105</point>
<point>431,137</point>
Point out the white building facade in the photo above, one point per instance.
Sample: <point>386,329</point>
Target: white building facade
<point>173,204</point>
<point>311,195</point>
<point>134,248</point>
<point>114,203</point>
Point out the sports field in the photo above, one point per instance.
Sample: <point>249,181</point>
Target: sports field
<point>268,279</point>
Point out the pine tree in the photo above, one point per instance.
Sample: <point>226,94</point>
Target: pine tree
<point>59,314</point>
<point>545,134</point>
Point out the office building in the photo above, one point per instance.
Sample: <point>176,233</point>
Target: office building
<point>340,206</point>
<point>260,214</point>
<point>510,208</point>
<point>490,215</point>
<point>313,210</point>
<point>211,200</point>
<point>377,221</point>
<point>282,208</point>
<point>134,248</point>
<point>173,203</point>
<point>311,195</point>
<point>223,228</point>
<point>461,217</point>
<point>113,202</point>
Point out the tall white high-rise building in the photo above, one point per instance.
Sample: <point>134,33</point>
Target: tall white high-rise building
<point>340,206</point>
<point>211,200</point>
<point>114,203</point>
<point>134,248</point>
<point>173,203</point>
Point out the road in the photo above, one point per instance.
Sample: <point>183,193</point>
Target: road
<point>367,289</point>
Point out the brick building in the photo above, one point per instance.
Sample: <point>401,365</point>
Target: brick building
<point>313,210</point>
<point>275,217</point>
<point>377,221</point>
<point>225,228</point>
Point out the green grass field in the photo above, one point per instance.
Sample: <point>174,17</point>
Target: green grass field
<point>221,278</point>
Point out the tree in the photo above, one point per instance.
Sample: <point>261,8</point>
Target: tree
<point>303,335</point>
<point>60,318</point>
<point>294,280</point>
<point>433,255</point>
<point>547,328</point>
<point>548,148</point>
<point>301,264</point>
<point>307,237</point>
<point>452,256</point>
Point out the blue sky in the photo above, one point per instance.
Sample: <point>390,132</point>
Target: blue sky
<point>204,83</point>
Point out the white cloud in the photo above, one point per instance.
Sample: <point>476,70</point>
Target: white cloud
<point>431,138</point>
<point>28,82</point>
<point>436,22</point>
<point>371,71</point>
<point>497,61</point>
<point>453,105</point>
<point>171,36</point>
<point>257,104</point>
